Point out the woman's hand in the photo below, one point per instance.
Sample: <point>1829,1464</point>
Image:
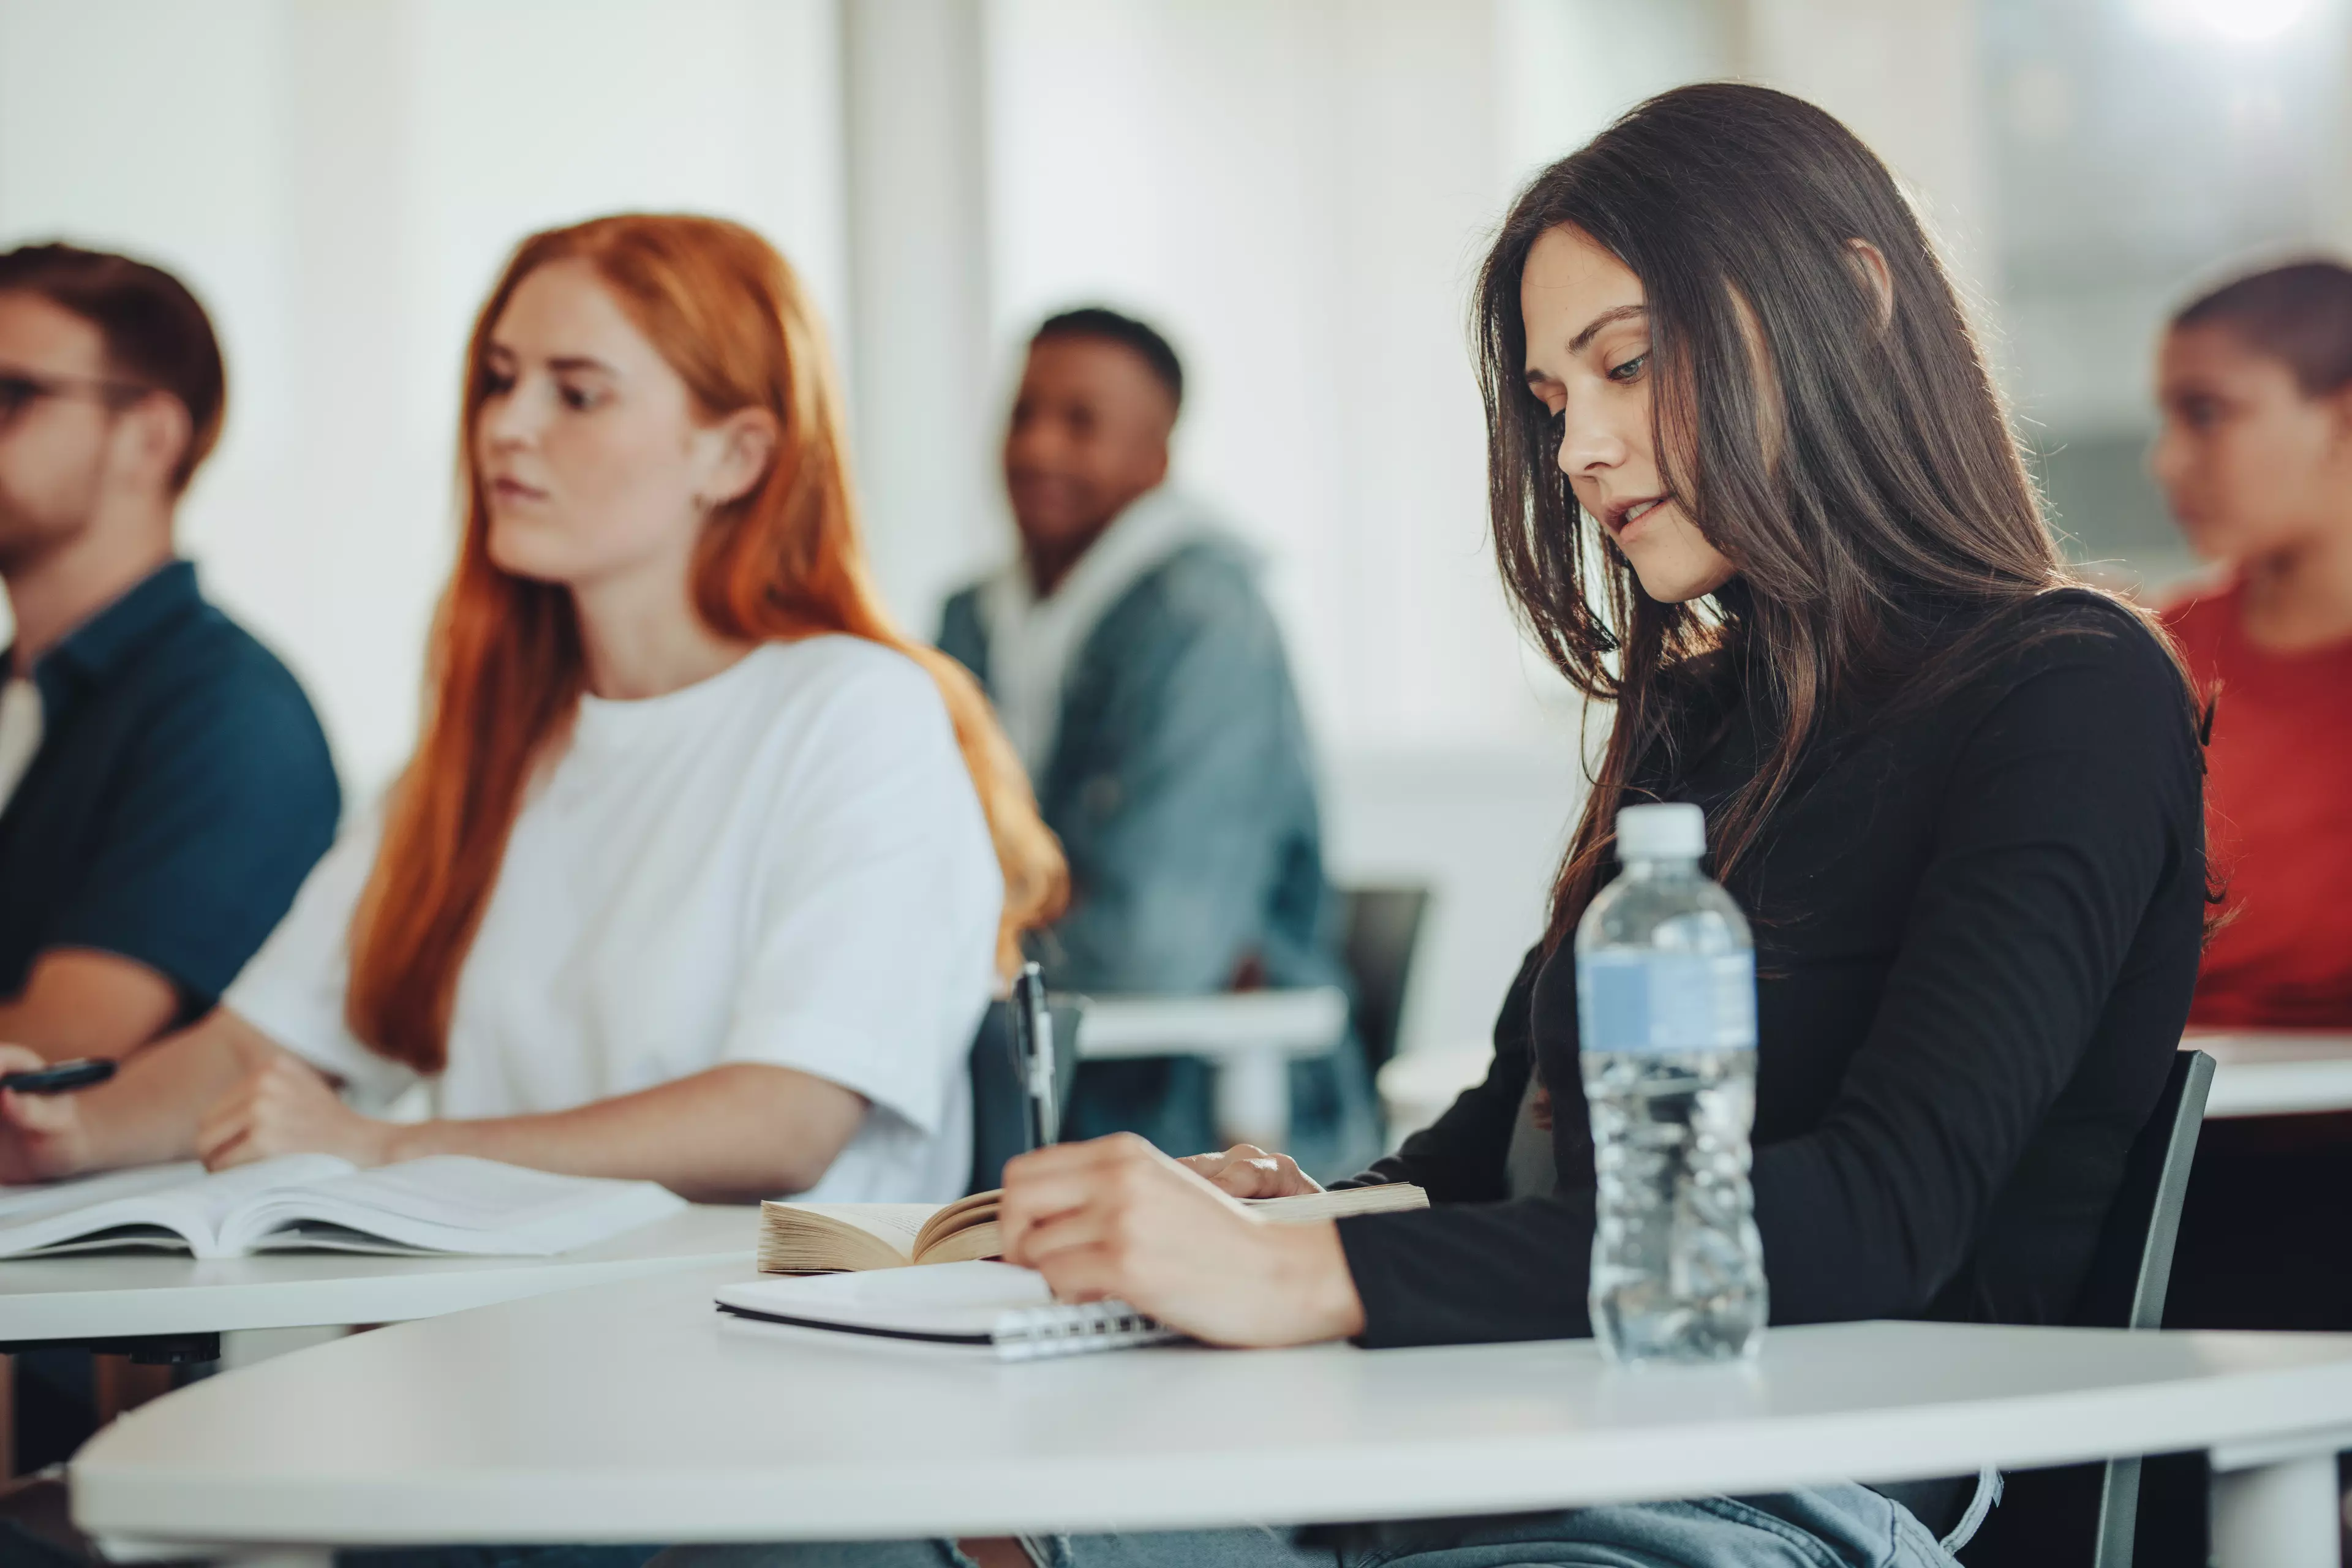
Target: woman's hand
<point>1115,1217</point>
<point>42,1136</point>
<point>1247,1170</point>
<point>284,1107</point>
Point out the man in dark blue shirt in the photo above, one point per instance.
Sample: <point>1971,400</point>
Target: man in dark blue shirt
<point>164,785</point>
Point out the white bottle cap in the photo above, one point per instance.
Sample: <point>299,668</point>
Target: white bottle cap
<point>1674,832</point>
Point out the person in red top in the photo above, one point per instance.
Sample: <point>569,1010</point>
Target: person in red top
<point>2256,456</point>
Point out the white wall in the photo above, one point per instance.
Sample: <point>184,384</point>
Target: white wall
<point>1300,194</point>
<point>175,149</point>
<point>919,352</point>
<point>1907,79</point>
<point>1299,190</point>
<point>338,182</point>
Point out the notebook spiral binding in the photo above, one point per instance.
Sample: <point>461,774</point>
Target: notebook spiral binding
<point>1033,1333</point>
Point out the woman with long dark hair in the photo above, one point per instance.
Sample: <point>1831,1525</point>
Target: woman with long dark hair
<point>1751,484</point>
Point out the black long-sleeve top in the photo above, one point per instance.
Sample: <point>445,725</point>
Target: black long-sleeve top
<point>1977,929</point>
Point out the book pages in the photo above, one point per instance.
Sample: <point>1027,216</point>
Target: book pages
<point>826,1238</point>
<point>823,1238</point>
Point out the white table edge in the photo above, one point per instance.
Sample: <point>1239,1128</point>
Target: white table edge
<point>2276,1073</point>
<point>2235,1413</point>
<point>387,1293</point>
<point>326,1303</point>
<point>1307,1021</point>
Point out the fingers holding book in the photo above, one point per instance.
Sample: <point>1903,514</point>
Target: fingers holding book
<point>1246,1171</point>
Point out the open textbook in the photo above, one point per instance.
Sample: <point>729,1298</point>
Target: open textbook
<point>444,1204</point>
<point>827,1238</point>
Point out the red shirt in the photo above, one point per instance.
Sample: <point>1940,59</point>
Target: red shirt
<point>2278,823</point>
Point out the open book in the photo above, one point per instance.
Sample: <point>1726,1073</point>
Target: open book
<point>446,1203</point>
<point>827,1238</point>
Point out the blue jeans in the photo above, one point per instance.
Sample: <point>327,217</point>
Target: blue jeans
<point>1844,1526</point>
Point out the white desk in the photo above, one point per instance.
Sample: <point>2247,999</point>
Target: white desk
<point>2277,1072</point>
<point>1418,1087</point>
<point>1250,1036</point>
<point>636,1413</point>
<point>115,1295</point>
<point>2256,1073</point>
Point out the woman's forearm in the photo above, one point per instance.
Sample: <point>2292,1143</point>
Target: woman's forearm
<point>1322,1291</point>
<point>732,1134</point>
<point>149,1112</point>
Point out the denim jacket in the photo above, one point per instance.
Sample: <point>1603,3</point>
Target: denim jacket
<point>1182,785</point>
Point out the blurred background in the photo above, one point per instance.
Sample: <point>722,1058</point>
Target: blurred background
<point>1295,190</point>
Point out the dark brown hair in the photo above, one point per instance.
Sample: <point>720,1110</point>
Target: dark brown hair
<point>1892,507</point>
<point>1140,339</point>
<point>157,337</point>
<point>2301,313</point>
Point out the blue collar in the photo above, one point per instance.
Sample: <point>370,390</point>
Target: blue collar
<point>92,653</point>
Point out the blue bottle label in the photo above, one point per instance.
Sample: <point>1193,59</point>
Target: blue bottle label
<point>1637,1002</point>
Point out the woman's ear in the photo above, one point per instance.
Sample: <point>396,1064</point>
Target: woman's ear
<point>1869,263</point>
<point>741,447</point>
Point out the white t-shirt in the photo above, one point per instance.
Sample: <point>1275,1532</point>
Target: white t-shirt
<point>784,863</point>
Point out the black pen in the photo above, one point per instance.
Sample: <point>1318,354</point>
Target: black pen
<point>60,1077</point>
<point>1033,1026</point>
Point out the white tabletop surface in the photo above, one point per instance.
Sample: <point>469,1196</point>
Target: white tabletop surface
<point>2277,1072</point>
<point>1304,1022</point>
<point>112,1295</point>
<point>634,1412</point>
<point>2257,1072</point>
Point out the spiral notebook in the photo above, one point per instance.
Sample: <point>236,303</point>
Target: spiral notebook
<point>989,1306</point>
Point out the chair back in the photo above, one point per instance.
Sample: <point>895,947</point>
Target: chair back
<point>1000,1107</point>
<point>2136,1251</point>
<point>2133,1266</point>
<point>2049,1515</point>
<point>1381,928</point>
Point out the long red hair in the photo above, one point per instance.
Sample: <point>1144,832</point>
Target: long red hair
<point>505,672</point>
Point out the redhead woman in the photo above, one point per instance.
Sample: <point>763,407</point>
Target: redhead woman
<point>1750,482</point>
<point>702,873</point>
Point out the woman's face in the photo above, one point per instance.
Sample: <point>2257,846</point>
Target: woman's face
<point>2253,468</point>
<point>1589,362</point>
<point>594,460</point>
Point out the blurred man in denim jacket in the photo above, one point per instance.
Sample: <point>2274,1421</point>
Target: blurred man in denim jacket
<point>1138,667</point>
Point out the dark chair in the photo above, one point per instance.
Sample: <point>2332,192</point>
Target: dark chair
<point>1000,1101</point>
<point>1380,929</point>
<point>2090,1512</point>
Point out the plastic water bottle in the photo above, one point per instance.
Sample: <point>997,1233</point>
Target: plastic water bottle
<point>1665,983</point>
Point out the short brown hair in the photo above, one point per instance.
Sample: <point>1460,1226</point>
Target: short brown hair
<point>156,334</point>
<point>2301,313</point>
